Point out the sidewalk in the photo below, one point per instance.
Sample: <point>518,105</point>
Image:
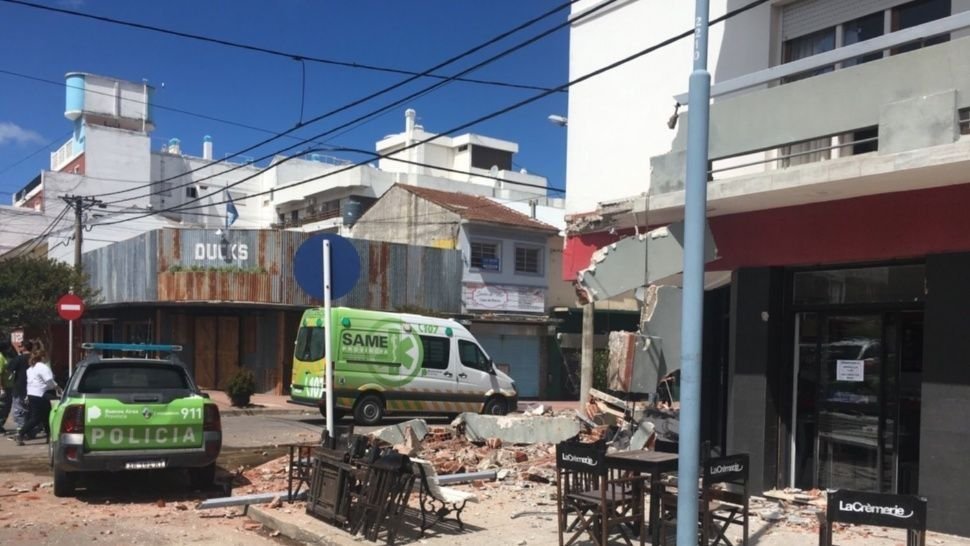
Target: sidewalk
<point>268,404</point>
<point>262,404</point>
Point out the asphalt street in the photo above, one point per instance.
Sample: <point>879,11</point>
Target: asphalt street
<point>245,437</point>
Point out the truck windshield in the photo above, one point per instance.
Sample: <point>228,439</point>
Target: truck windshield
<point>310,344</point>
<point>131,377</point>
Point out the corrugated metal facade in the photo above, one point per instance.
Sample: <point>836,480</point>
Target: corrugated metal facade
<point>256,266</point>
<point>125,271</point>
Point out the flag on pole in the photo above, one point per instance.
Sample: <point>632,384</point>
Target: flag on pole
<point>231,213</point>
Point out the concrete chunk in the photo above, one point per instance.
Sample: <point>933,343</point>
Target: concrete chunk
<point>518,430</point>
<point>396,434</point>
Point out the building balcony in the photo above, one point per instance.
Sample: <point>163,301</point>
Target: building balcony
<point>894,124</point>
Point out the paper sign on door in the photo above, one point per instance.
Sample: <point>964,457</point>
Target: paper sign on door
<point>849,370</point>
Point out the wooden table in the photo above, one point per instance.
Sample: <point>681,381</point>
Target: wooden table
<point>654,463</point>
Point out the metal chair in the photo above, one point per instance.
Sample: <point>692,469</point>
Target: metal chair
<point>603,501</point>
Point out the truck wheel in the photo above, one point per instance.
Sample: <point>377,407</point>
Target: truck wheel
<point>64,483</point>
<point>202,477</point>
<point>496,406</point>
<point>369,410</point>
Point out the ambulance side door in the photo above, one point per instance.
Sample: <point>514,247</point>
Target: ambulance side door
<point>438,368</point>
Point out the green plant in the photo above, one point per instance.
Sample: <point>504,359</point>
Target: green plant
<point>242,384</point>
<point>179,268</point>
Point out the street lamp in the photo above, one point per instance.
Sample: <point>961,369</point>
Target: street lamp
<point>558,120</point>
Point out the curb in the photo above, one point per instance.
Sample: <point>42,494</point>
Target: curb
<point>237,412</point>
<point>300,527</point>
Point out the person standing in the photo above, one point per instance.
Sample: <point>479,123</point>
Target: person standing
<point>40,379</point>
<point>18,370</point>
<point>6,382</point>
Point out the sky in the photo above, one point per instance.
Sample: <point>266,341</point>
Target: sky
<point>265,91</point>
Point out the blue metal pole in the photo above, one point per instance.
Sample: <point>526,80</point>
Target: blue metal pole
<point>691,329</point>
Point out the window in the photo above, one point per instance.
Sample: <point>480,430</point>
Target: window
<point>191,192</point>
<point>528,259</point>
<point>282,218</point>
<point>486,158</point>
<point>881,284</point>
<point>486,256</point>
<point>130,377</point>
<point>437,351</point>
<point>917,13</point>
<point>463,147</point>
<point>860,30</point>
<point>472,356</point>
<point>310,344</point>
<point>294,215</point>
<point>806,46</point>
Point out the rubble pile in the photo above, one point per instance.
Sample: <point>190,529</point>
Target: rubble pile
<point>451,453</point>
<point>269,477</point>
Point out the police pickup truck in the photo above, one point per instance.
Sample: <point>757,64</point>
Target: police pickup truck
<point>130,412</point>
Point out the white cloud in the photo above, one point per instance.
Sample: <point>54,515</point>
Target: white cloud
<point>11,133</point>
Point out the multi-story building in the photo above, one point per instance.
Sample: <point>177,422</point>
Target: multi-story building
<point>229,295</point>
<point>109,156</point>
<point>835,355</point>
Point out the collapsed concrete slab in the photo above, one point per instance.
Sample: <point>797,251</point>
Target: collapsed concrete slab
<point>639,360</point>
<point>638,261</point>
<point>395,434</point>
<point>533,429</point>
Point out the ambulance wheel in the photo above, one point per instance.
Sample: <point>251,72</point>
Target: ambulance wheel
<point>337,414</point>
<point>202,477</point>
<point>64,483</point>
<point>369,410</point>
<point>496,406</point>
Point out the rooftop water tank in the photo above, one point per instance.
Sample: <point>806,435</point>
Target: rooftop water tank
<point>74,95</point>
<point>352,209</point>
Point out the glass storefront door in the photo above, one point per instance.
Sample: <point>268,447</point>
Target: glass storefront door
<point>857,390</point>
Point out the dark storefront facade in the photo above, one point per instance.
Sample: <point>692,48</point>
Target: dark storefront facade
<point>838,357</point>
<point>854,373</point>
<point>232,301</point>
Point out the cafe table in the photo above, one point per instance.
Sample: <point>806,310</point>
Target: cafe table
<point>654,463</point>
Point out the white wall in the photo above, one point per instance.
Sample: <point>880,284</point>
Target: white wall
<point>115,160</point>
<point>618,120</point>
<point>166,166</point>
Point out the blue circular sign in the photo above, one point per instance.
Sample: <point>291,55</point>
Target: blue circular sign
<point>344,266</point>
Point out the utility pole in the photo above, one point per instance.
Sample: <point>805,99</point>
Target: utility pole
<point>586,357</point>
<point>80,203</point>
<point>695,218</point>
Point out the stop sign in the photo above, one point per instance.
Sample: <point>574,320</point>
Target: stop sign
<point>70,307</point>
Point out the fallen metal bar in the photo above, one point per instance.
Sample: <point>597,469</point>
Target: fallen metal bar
<point>450,479</point>
<point>242,500</point>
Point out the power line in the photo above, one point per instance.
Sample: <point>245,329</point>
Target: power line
<point>378,93</point>
<point>139,101</point>
<point>35,152</point>
<point>32,244</point>
<point>462,126</point>
<point>275,52</point>
<point>486,117</point>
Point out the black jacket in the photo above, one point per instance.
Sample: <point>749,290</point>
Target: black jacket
<point>18,366</point>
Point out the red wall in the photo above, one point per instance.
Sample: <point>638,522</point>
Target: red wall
<point>76,162</point>
<point>880,227</point>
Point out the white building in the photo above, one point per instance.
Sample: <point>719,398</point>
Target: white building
<point>109,157</point>
<point>837,197</point>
